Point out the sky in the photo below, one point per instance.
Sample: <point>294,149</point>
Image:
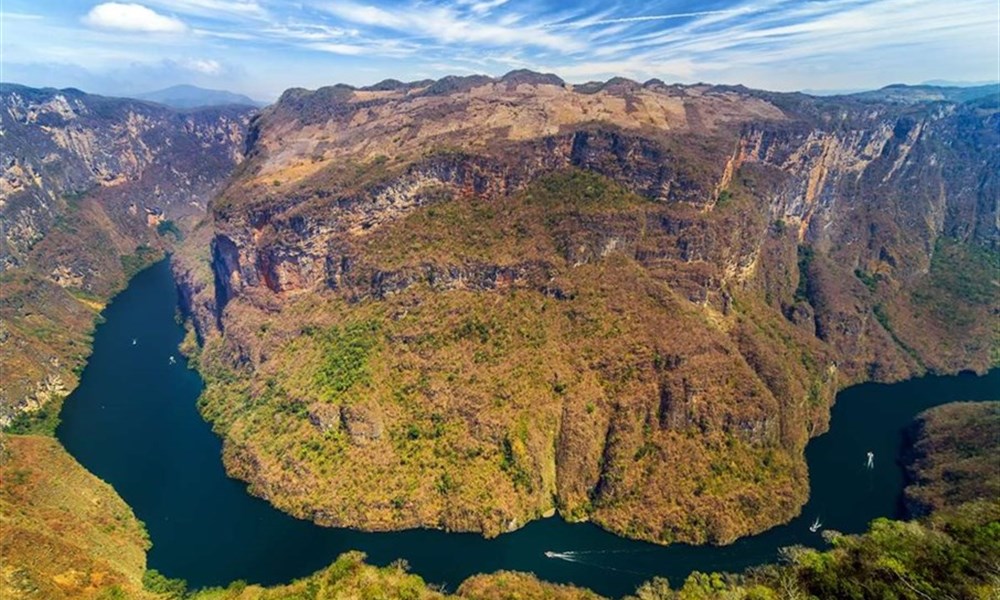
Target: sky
<point>262,47</point>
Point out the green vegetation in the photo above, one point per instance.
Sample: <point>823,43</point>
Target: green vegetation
<point>724,198</point>
<point>509,333</point>
<point>806,255</point>
<point>969,271</point>
<point>166,227</point>
<point>63,532</point>
<point>952,555</point>
<point>156,582</point>
<point>882,317</point>
<point>962,277</point>
<point>948,315</point>
<point>347,577</point>
<point>345,352</point>
<point>143,257</point>
<point>870,281</point>
<point>39,422</point>
<point>947,467</point>
<point>533,226</point>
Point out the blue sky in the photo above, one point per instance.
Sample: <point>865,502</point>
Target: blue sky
<point>261,47</point>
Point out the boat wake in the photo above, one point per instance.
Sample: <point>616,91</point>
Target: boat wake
<point>588,557</point>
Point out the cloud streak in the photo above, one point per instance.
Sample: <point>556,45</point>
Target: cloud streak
<point>645,18</point>
<point>447,25</point>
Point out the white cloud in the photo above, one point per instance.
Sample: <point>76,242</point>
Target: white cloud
<point>15,16</point>
<point>205,66</point>
<point>131,17</point>
<point>218,9</point>
<point>644,18</point>
<point>334,48</point>
<point>482,6</point>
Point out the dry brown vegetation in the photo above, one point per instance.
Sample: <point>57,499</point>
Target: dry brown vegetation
<point>629,303</point>
<point>954,459</point>
<point>63,532</point>
<point>92,190</point>
<point>523,361</point>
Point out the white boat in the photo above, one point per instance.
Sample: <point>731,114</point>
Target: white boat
<point>815,526</point>
<point>551,554</point>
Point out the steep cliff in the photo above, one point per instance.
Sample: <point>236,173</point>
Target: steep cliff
<point>92,188</point>
<point>488,299</point>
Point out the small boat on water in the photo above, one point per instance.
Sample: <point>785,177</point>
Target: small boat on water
<point>551,554</point>
<point>815,526</point>
<point>173,360</point>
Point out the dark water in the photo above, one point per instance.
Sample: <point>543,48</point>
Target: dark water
<point>133,422</point>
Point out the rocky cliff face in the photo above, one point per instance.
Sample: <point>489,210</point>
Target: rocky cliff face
<point>91,188</point>
<point>487,299</point>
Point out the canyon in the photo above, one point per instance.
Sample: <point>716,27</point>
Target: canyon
<point>92,189</point>
<point>493,299</point>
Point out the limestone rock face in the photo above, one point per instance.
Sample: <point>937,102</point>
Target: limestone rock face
<point>633,303</point>
<point>86,180</point>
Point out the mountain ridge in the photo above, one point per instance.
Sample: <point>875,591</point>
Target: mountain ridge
<point>777,247</point>
<point>187,96</point>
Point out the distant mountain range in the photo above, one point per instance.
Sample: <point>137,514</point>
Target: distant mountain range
<point>190,96</point>
<point>956,91</point>
<point>929,93</point>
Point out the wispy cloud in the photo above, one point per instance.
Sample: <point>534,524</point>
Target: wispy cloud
<point>19,16</point>
<point>482,6</point>
<point>767,43</point>
<point>218,9</point>
<point>593,22</point>
<point>449,26</point>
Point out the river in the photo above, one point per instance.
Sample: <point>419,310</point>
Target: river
<point>133,422</point>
